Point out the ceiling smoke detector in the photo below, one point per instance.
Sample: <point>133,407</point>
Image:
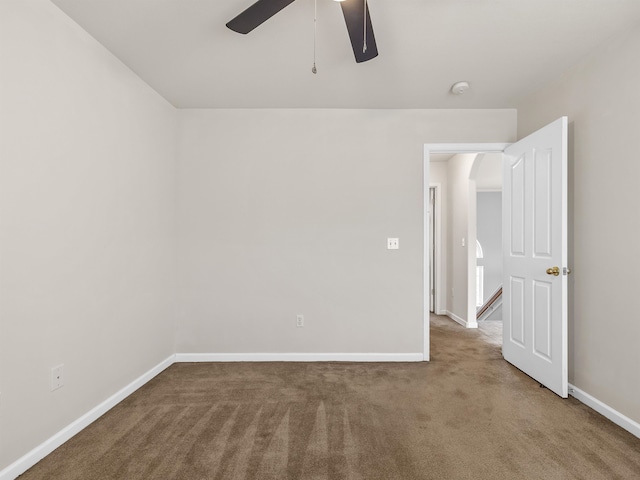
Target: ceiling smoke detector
<point>459,88</point>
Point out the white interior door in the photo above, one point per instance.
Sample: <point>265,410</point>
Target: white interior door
<point>535,256</point>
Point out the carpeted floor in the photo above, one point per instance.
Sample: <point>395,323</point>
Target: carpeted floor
<point>465,415</point>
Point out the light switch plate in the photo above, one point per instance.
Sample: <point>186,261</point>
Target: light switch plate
<point>393,243</point>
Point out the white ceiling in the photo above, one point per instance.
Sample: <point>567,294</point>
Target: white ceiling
<point>504,48</point>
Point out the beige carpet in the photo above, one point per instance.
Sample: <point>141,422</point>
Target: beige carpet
<point>465,415</point>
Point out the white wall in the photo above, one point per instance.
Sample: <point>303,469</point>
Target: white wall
<point>456,180</point>
<point>281,212</point>
<point>489,234</point>
<point>489,173</point>
<point>286,212</point>
<point>87,224</point>
<point>458,173</point>
<point>602,100</point>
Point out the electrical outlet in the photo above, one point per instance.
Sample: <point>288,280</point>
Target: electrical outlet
<point>299,320</point>
<point>393,243</point>
<point>57,377</point>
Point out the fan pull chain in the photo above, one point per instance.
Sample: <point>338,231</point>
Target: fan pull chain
<point>364,41</point>
<point>314,70</point>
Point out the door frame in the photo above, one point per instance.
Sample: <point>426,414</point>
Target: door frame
<point>436,265</point>
<point>429,148</point>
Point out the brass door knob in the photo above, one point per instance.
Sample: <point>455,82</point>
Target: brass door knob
<point>553,271</point>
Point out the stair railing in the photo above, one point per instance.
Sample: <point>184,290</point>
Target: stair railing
<point>487,305</point>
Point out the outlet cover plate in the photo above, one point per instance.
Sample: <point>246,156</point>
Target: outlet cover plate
<point>57,377</point>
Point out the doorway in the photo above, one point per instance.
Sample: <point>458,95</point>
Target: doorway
<point>433,223</point>
<point>470,213</point>
<point>535,250</point>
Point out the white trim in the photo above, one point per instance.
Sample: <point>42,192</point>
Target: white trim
<point>454,148</point>
<point>462,321</point>
<point>602,408</point>
<point>34,456</point>
<point>439,287</point>
<point>38,453</point>
<point>298,357</point>
<point>426,286</point>
<point>479,286</point>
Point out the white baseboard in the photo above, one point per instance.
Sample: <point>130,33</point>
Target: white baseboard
<point>462,321</point>
<point>34,456</point>
<point>602,408</point>
<point>299,357</point>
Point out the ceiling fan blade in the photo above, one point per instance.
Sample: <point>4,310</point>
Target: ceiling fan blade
<point>256,14</point>
<point>354,11</point>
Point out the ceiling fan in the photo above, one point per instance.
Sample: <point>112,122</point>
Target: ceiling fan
<point>356,16</point>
